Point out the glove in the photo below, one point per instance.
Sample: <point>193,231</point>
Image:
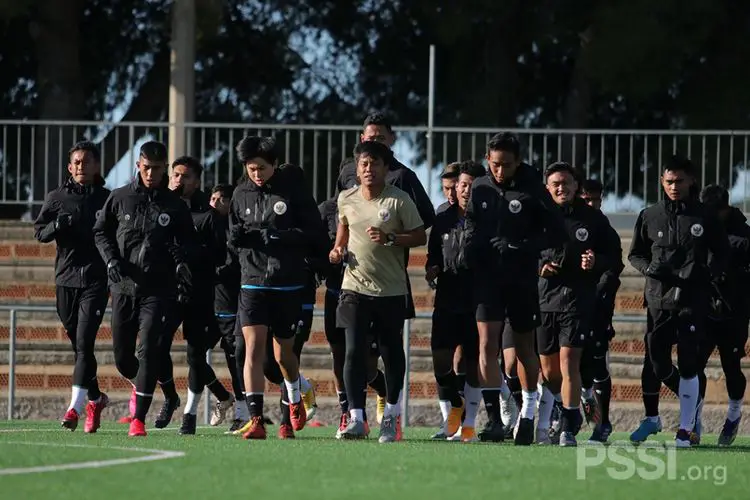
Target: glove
<point>114,271</point>
<point>63,221</point>
<point>503,246</point>
<point>183,274</point>
<point>659,270</point>
<point>237,235</point>
<point>183,294</point>
<point>270,236</point>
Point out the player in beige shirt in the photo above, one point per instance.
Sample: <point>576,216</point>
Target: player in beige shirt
<point>376,222</point>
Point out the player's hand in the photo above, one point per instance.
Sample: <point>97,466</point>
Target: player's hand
<point>336,256</point>
<point>549,269</point>
<point>115,271</point>
<point>376,235</point>
<point>588,260</point>
<point>63,221</point>
<point>431,273</point>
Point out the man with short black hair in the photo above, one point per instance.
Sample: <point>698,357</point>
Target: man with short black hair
<point>448,181</point>
<point>510,219</point>
<point>376,223</point>
<point>141,233</point>
<point>671,244</point>
<point>67,218</point>
<point>567,295</point>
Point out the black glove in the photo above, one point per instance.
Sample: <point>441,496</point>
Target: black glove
<point>183,274</point>
<point>115,271</point>
<point>270,236</point>
<point>659,270</point>
<point>183,294</point>
<point>63,221</point>
<point>503,246</point>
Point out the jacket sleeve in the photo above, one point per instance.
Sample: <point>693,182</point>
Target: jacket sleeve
<point>434,249</point>
<point>608,257</point>
<point>185,240</point>
<point>640,247</point>
<point>105,230</point>
<point>309,230</point>
<point>44,225</point>
<point>719,246</point>
<point>421,199</point>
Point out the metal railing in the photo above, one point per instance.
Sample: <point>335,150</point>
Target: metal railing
<point>14,309</point>
<point>33,154</point>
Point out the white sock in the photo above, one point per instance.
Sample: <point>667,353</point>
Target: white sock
<point>546,404</point>
<point>293,389</point>
<point>529,404</point>
<point>240,411</point>
<point>445,408</point>
<point>392,410</point>
<point>688,402</point>
<point>357,415</point>
<point>735,409</point>
<point>473,400</point>
<point>304,384</point>
<point>587,393</point>
<point>194,399</point>
<point>78,399</point>
<point>654,419</point>
<point>505,393</point>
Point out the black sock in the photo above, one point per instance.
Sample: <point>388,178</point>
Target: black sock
<point>343,402</point>
<point>286,417</point>
<point>93,391</point>
<point>447,388</point>
<point>514,384</point>
<point>651,404</point>
<point>460,383</point>
<point>364,408</point>
<point>142,404</point>
<point>255,404</point>
<point>169,390</point>
<point>378,384</point>
<point>492,404</point>
<point>603,395</point>
<point>570,420</point>
<point>673,381</point>
<point>218,390</point>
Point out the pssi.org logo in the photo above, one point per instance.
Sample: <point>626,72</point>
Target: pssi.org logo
<point>651,460</point>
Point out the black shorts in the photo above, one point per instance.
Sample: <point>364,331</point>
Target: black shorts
<point>278,310</point>
<point>519,304</point>
<point>385,315</point>
<point>334,334</point>
<point>453,329</point>
<point>729,335</point>
<point>506,339</point>
<point>560,329</point>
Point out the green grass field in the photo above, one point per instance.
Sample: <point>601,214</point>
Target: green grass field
<point>39,460</point>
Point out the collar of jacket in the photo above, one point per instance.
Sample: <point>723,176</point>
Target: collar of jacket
<point>572,207</point>
<point>676,206</point>
<point>72,186</point>
<point>140,188</point>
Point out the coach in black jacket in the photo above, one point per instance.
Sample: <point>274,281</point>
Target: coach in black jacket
<point>67,218</point>
<point>671,244</point>
<point>567,292</point>
<point>140,234</point>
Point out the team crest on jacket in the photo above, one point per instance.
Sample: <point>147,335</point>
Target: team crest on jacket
<point>696,230</point>
<point>582,234</point>
<point>127,216</point>
<point>164,220</point>
<point>515,206</point>
<point>279,208</point>
<point>384,215</point>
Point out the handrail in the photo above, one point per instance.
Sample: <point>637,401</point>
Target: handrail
<point>14,309</point>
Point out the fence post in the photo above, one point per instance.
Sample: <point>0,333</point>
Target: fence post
<point>207,396</point>
<point>405,391</point>
<point>12,365</point>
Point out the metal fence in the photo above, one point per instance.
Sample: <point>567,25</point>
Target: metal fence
<point>628,161</point>
<point>14,309</point>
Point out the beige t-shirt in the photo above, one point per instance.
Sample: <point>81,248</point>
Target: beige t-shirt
<point>373,269</point>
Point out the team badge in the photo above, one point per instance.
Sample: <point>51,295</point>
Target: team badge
<point>127,216</point>
<point>696,230</point>
<point>279,208</point>
<point>515,206</point>
<point>384,215</point>
<point>582,234</point>
<point>164,220</point>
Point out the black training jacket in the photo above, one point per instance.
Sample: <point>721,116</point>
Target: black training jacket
<point>677,236</point>
<point>446,249</point>
<point>77,262</point>
<point>609,283</point>
<point>399,175</point>
<point>733,288</point>
<point>209,252</point>
<point>522,213</point>
<point>280,205</point>
<point>149,231</point>
<point>334,273</point>
<point>227,283</point>
<point>574,289</point>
